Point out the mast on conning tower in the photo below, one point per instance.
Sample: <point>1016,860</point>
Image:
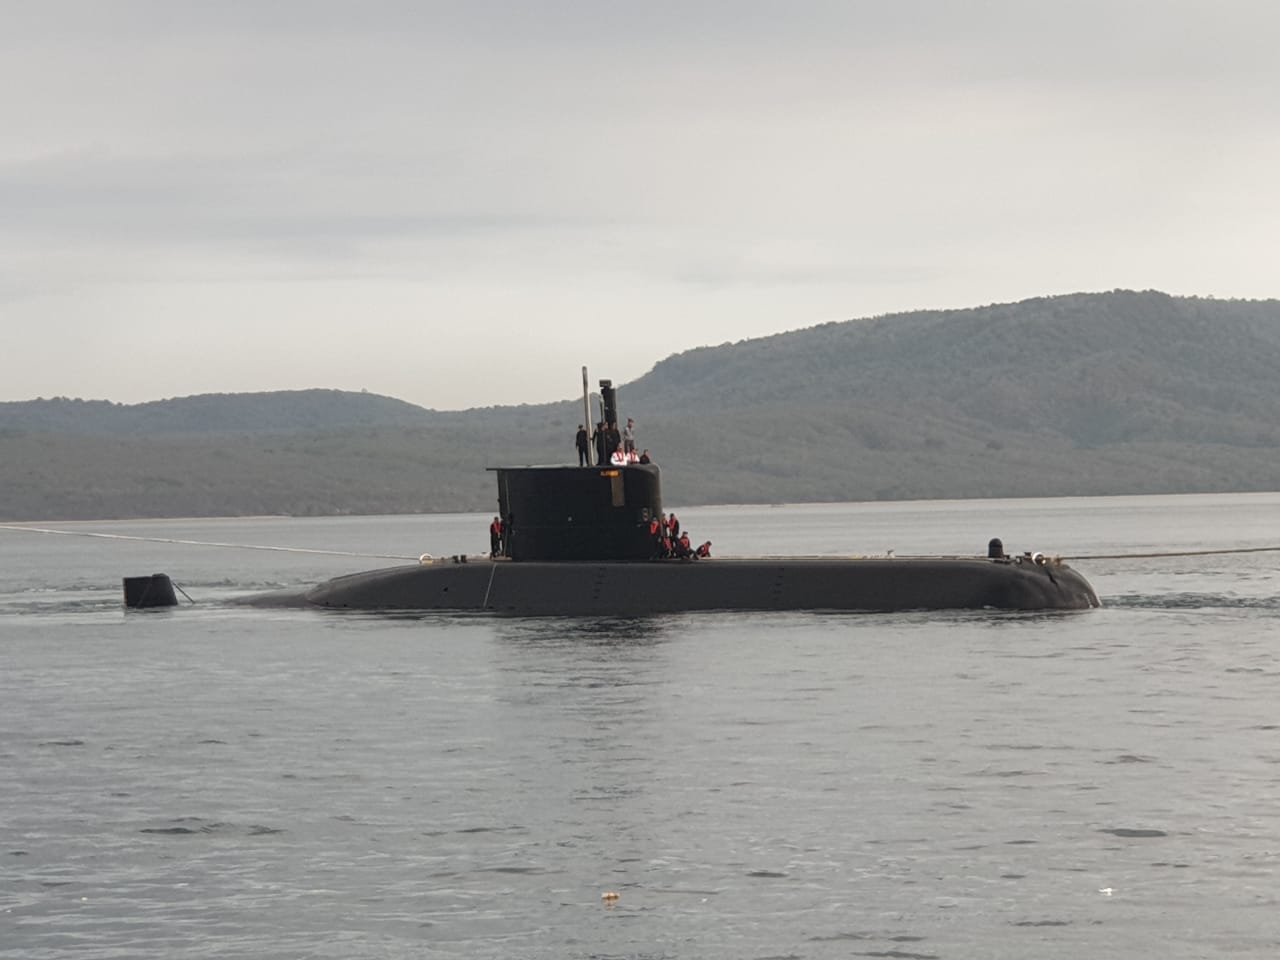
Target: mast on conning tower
<point>586,410</point>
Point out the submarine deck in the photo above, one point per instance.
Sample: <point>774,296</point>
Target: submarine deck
<point>604,588</point>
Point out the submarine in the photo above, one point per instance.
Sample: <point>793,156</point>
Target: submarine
<point>577,542</point>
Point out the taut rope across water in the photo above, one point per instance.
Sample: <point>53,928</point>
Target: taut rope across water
<point>202,543</point>
<point>1176,553</point>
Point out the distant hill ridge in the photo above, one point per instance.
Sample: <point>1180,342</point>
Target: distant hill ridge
<point>268,412</point>
<point>1081,394</point>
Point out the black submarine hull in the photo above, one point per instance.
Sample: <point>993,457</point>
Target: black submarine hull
<point>628,589</point>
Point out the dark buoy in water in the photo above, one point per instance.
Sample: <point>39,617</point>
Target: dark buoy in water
<point>153,591</point>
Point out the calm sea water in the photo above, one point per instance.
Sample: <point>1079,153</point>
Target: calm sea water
<point>213,781</point>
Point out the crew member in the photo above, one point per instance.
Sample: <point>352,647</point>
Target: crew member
<point>644,458</point>
<point>661,542</point>
<point>655,533</point>
<point>619,458</point>
<point>683,547</point>
<point>705,549</point>
<point>495,538</point>
<point>602,441</point>
<point>629,436</point>
<point>583,443</point>
<point>673,525</point>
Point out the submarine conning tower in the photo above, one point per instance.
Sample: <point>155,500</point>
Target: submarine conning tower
<point>579,513</point>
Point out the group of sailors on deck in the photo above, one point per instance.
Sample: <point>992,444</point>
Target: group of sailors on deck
<point>670,541</point>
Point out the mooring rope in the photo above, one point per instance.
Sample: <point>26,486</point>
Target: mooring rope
<point>1178,553</point>
<point>202,543</point>
<point>485,604</point>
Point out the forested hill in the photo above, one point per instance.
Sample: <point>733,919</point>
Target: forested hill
<point>1092,369</point>
<point>1084,394</point>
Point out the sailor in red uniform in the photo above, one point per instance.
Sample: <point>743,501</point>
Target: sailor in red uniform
<point>656,530</point>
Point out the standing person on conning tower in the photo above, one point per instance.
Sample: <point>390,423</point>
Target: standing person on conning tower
<point>629,437</point>
<point>602,440</point>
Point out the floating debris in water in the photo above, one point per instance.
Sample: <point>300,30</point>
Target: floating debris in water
<point>1133,832</point>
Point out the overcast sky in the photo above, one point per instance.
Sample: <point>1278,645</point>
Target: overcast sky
<point>462,204</point>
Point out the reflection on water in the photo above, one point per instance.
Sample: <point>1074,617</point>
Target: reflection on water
<point>621,631</point>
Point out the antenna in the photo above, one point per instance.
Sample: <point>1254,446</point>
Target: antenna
<point>586,409</point>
